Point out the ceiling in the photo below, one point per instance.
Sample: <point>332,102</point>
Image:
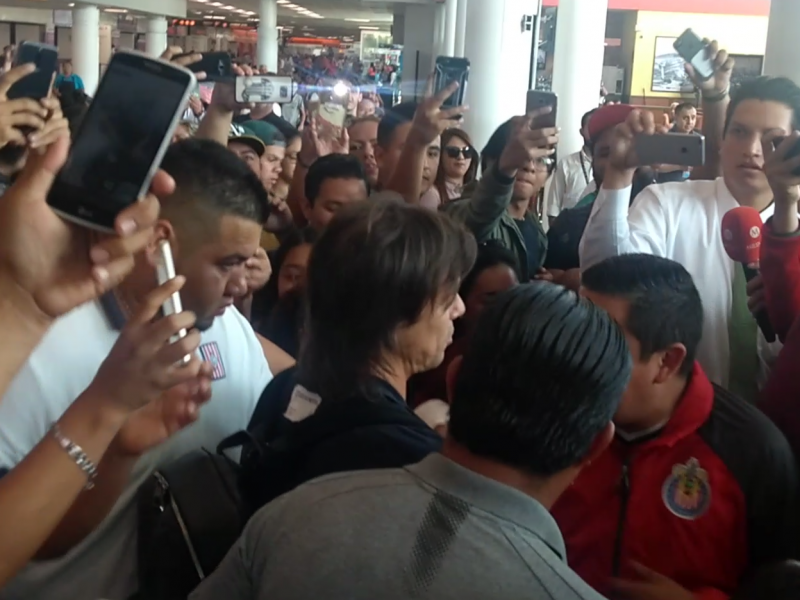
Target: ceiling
<point>317,17</point>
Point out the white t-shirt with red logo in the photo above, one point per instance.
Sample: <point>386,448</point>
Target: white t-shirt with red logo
<point>58,371</point>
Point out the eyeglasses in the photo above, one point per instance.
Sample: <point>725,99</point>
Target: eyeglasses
<point>455,152</point>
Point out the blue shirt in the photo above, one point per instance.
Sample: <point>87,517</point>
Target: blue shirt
<point>73,79</point>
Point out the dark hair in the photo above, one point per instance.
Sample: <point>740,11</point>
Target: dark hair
<point>286,129</point>
<point>333,166</point>
<point>399,114</point>
<point>376,267</point>
<point>265,299</point>
<point>774,582</point>
<point>665,306</point>
<point>543,375</point>
<point>210,176</point>
<point>587,117</point>
<point>490,254</point>
<point>684,106</point>
<point>471,173</point>
<point>496,144</point>
<point>767,89</point>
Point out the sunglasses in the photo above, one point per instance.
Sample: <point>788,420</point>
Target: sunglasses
<point>455,152</point>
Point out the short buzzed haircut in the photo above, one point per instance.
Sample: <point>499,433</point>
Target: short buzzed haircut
<point>209,176</point>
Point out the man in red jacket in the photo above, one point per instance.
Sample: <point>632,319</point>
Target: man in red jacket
<point>780,270</point>
<point>698,486</point>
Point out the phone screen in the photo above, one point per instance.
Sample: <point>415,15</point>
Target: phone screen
<point>447,71</point>
<point>121,137</point>
<point>37,84</point>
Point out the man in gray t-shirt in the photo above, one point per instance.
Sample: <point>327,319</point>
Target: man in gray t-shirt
<point>532,404</point>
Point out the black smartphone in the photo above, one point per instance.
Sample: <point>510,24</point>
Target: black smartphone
<point>216,65</point>
<point>121,140</point>
<point>449,69</point>
<point>537,100</point>
<point>793,152</point>
<point>695,52</point>
<point>37,84</point>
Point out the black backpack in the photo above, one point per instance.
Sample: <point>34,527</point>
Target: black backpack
<point>192,511</point>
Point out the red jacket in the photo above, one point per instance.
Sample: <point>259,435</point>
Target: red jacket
<point>711,495</point>
<point>780,269</point>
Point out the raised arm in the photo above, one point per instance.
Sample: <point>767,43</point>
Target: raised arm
<point>613,228</point>
<point>715,93</point>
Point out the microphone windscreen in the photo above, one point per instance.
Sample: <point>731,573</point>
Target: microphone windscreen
<point>741,235</point>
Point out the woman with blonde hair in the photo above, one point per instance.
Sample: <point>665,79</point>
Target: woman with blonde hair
<point>458,167</point>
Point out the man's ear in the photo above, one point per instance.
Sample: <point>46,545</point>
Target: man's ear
<point>451,376</point>
<point>163,230</point>
<point>672,360</point>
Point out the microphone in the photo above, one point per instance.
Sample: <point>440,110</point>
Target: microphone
<point>741,236</point>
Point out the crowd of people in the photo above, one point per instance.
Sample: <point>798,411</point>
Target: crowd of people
<point>471,372</point>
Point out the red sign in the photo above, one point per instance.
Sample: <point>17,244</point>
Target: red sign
<point>720,7</point>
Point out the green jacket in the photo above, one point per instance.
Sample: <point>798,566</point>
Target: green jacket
<point>485,213</point>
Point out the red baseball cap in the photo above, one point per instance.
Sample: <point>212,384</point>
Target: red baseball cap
<point>606,117</point>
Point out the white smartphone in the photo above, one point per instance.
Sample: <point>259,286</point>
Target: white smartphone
<point>165,271</point>
<point>684,149</point>
<point>262,89</point>
<point>695,52</point>
<point>122,139</point>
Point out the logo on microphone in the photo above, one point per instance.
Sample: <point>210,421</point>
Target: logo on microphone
<point>727,235</point>
<point>755,232</point>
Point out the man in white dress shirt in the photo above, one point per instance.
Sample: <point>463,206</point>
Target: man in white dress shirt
<point>213,223</point>
<point>681,221</point>
<point>571,177</point>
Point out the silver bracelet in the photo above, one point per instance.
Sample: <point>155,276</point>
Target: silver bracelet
<point>77,454</point>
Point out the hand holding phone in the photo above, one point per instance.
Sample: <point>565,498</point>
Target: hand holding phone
<point>536,101</point>
<point>122,139</point>
<point>782,166</point>
<point>20,117</point>
<point>217,66</point>
<point>709,67</point>
<point>37,84</point>
<point>683,149</point>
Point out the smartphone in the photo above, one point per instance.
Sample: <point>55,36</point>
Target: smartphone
<point>695,52</point>
<point>791,153</point>
<point>121,140</point>
<point>447,70</point>
<point>165,271</point>
<point>331,117</point>
<point>537,100</point>
<point>683,149</point>
<point>264,89</point>
<point>216,65</point>
<point>36,85</point>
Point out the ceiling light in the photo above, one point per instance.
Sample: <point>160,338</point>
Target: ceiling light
<point>358,20</point>
<point>369,28</point>
<point>201,1</point>
<point>115,10</point>
<point>216,4</point>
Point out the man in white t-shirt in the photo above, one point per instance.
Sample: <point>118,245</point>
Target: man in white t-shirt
<point>213,222</point>
<point>571,178</point>
<point>682,221</point>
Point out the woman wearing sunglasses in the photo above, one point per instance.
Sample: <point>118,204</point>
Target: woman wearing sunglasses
<point>458,167</point>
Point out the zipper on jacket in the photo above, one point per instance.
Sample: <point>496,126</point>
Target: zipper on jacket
<point>625,492</point>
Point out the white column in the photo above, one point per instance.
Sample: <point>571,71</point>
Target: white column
<point>267,48</point>
<point>461,28</point>
<point>156,36</point>
<point>450,24</point>
<point>438,30</point>
<point>86,46</point>
<point>780,58</point>
<point>580,40</point>
<point>496,47</point>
